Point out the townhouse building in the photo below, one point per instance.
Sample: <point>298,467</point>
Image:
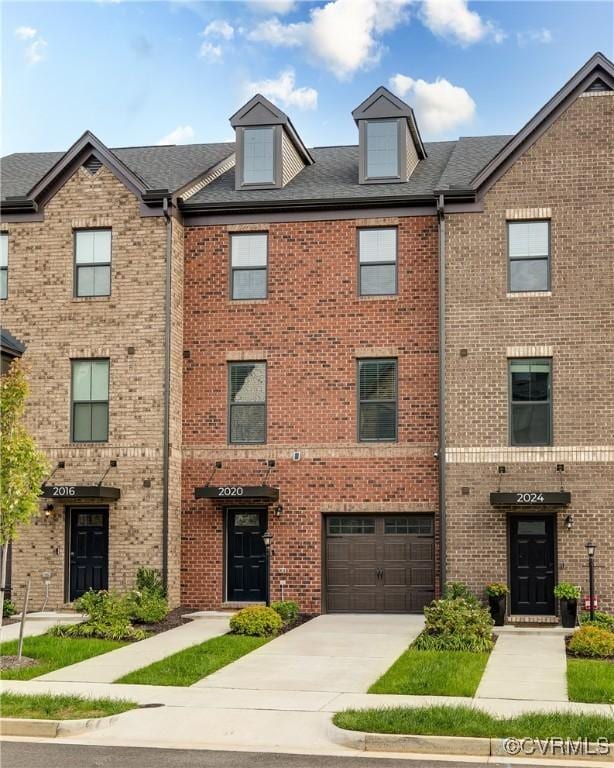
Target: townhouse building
<point>236,371</point>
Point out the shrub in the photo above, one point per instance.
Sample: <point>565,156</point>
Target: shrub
<point>456,590</point>
<point>149,580</point>
<point>109,618</point>
<point>256,620</point>
<point>592,642</point>
<point>287,609</point>
<point>601,619</point>
<point>8,609</point>
<point>147,603</point>
<point>496,589</point>
<point>566,591</point>
<point>456,625</point>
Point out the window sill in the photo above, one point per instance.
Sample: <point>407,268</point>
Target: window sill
<point>241,302</point>
<point>528,294</point>
<point>379,297</point>
<point>81,299</point>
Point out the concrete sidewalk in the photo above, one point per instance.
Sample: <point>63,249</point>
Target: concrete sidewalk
<point>37,624</point>
<point>115,664</point>
<point>529,667</point>
<point>339,653</point>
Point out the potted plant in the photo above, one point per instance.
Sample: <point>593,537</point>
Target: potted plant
<point>568,595</point>
<point>496,602</point>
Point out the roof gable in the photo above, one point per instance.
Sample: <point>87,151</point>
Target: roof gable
<point>258,111</point>
<point>380,104</point>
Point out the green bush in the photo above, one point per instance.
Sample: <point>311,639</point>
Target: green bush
<point>287,609</point>
<point>147,603</point>
<point>456,625</point>
<point>566,591</point>
<point>149,580</point>
<point>8,609</point>
<point>257,621</point>
<point>592,643</point>
<point>456,590</point>
<point>109,618</point>
<point>601,619</point>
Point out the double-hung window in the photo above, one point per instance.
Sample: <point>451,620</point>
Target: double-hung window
<point>382,150</point>
<point>247,402</point>
<point>259,155</point>
<point>528,255</point>
<point>248,255</point>
<point>4,265</point>
<point>377,257</point>
<point>377,400</point>
<point>90,401</point>
<point>530,402</point>
<point>93,262</point>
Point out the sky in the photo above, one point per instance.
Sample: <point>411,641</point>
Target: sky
<point>174,71</point>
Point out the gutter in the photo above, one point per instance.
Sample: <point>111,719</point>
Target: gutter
<point>167,388</point>
<point>441,452</point>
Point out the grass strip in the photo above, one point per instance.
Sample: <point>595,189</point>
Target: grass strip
<point>590,680</point>
<point>434,673</point>
<point>192,664</point>
<point>45,706</point>
<point>53,653</point>
<point>464,721</point>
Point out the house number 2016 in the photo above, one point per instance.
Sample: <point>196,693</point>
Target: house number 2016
<point>64,490</point>
<point>230,490</point>
<point>529,498</point>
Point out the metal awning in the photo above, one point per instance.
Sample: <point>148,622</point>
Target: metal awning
<point>530,498</point>
<point>67,491</point>
<point>235,492</point>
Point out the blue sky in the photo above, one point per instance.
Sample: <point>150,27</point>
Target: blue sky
<point>138,73</point>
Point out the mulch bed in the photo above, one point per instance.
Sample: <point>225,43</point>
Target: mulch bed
<point>302,619</point>
<point>173,619</point>
<point>14,662</point>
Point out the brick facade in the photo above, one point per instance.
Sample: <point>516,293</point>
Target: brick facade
<point>568,172</point>
<point>310,330</point>
<point>55,326</point>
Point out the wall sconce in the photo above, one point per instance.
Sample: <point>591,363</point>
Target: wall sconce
<point>569,522</point>
<point>501,470</point>
<point>49,510</point>
<point>278,510</point>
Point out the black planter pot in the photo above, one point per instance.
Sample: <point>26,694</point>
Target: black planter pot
<point>497,609</point>
<point>569,612</point>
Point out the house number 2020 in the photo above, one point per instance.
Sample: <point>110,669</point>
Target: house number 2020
<point>230,490</point>
<point>529,498</point>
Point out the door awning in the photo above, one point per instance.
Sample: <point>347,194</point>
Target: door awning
<point>530,498</point>
<point>66,491</point>
<point>235,492</point>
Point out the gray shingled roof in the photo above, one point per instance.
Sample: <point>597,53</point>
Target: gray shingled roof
<point>10,344</point>
<point>333,175</point>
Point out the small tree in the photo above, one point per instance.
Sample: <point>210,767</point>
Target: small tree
<point>22,466</point>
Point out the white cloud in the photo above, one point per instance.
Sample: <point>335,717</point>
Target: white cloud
<point>343,35</point>
<point>534,36</point>
<point>219,28</point>
<point>440,106</point>
<point>283,92</point>
<point>280,7</point>
<point>182,134</point>
<point>25,33</point>
<point>453,20</point>
<point>209,51</point>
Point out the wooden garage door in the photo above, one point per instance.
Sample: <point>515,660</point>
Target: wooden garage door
<point>379,564</point>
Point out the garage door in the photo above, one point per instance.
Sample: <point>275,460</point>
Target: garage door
<point>379,564</point>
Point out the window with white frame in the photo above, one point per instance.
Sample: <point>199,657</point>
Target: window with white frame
<point>382,150</point>
<point>93,262</point>
<point>377,257</point>
<point>529,255</point>
<point>259,155</point>
<point>248,255</point>
<point>4,265</point>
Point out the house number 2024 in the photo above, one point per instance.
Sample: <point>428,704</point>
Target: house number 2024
<point>529,498</point>
<point>64,490</point>
<point>230,490</point>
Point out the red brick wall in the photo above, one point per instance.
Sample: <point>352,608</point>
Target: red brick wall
<point>310,330</point>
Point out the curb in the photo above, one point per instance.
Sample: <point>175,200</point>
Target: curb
<point>455,745</point>
<point>51,729</point>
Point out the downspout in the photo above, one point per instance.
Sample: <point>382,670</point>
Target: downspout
<point>441,451</point>
<point>167,388</point>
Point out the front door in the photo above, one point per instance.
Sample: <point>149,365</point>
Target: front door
<point>246,555</point>
<point>89,550</point>
<point>532,565</point>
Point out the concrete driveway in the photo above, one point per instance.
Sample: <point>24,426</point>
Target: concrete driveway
<point>339,653</point>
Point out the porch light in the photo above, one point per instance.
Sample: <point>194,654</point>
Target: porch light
<point>267,537</point>
<point>590,548</point>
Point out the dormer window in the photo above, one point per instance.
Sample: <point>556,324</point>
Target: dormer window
<point>382,149</point>
<point>269,150</point>
<point>390,146</point>
<point>259,155</point>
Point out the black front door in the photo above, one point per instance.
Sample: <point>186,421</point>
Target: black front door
<point>246,556</point>
<point>89,550</point>
<point>532,565</point>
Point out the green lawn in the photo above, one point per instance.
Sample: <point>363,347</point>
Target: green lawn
<point>590,680</point>
<point>53,653</point>
<point>47,707</point>
<point>189,666</point>
<point>463,721</point>
<point>435,673</point>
